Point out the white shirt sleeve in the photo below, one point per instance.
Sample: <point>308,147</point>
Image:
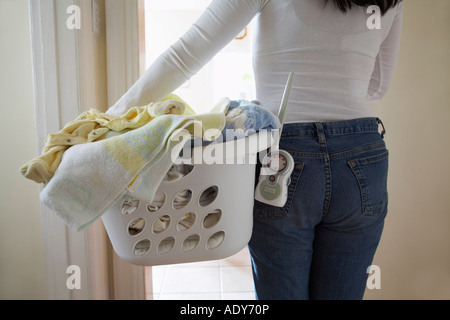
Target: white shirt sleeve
<point>386,59</point>
<point>222,21</point>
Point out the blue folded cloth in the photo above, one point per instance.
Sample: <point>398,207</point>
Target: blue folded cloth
<point>248,117</point>
<point>243,118</point>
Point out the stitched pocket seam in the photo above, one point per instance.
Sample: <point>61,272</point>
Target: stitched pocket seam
<point>368,208</point>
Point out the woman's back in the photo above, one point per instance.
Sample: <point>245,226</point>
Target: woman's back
<point>333,54</point>
<point>337,59</point>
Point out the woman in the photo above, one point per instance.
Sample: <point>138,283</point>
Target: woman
<point>322,242</point>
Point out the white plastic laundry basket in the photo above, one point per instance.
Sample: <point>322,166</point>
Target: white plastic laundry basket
<point>214,224</point>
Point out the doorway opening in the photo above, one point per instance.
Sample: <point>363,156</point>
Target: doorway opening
<point>230,278</point>
<point>229,74</point>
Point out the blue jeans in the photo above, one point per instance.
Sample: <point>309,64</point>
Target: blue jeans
<point>321,243</point>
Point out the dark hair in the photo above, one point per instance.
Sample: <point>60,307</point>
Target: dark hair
<point>384,5</point>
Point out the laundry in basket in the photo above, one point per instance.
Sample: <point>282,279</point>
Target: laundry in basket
<point>122,179</point>
<point>206,214</point>
<point>202,209</point>
<point>92,176</point>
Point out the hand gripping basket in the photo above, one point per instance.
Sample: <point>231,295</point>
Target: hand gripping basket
<point>205,215</point>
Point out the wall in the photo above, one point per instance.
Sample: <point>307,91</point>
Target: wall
<point>414,254</point>
<point>21,263</point>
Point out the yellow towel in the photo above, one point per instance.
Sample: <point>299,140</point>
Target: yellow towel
<point>92,126</point>
<point>93,176</point>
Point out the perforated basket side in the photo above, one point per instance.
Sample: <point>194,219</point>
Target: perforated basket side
<point>218,230</point>
<point>214,231</point>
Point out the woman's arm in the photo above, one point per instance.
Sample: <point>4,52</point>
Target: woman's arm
<point>222,21</point>
<point>386,59</point>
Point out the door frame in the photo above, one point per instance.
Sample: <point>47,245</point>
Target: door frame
<point>62,73</point>
<point>125,44</point>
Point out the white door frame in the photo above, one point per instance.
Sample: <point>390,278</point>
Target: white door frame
<point>126,62</point>
<point>61,67</point>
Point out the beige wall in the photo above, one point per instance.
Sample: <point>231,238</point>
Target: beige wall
<point>414,254</point>
<point>21,258</point>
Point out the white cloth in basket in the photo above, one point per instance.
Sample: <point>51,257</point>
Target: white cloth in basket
<point>93,176</point>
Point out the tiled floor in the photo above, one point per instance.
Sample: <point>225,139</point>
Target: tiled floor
<point>228,279</point>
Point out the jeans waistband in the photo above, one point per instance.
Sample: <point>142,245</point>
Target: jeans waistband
<point>333,128</point>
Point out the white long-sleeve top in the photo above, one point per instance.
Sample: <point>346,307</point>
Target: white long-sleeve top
<point>340,64</point>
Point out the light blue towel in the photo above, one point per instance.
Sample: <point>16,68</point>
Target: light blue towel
<point>258,117</point>
<point>248,117</point>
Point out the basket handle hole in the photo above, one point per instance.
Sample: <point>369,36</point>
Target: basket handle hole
<point>136,226</point>
<point>187,221</point>
<point>178,171</point>
<point>161,224</point>
<point>141,247</point>
<point>215,240</point>
<point>166,245</point>
<point>182,198</point>
<point>158,201</point>
<point>129,207</point>
<point>190,243</point>
<point>208,196</point>
<point>212,219</point>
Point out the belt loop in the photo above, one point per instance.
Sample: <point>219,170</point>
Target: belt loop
<point>382,125</point>
<point>320,132</point>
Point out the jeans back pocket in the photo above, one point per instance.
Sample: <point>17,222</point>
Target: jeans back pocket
<point>371,173</point>
<point>263,211</point>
